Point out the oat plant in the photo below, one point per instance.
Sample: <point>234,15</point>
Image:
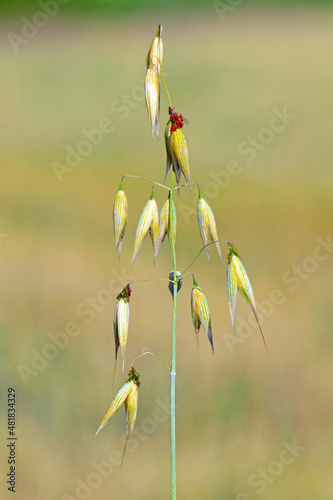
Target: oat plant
<point>158,226</point>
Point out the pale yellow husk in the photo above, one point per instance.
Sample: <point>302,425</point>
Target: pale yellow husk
<point>148,222</point>
<point>237,278</point>
<point>200,313</point>
<point>120,398</point>
<point>155,54</point>
<point>179,154</point>
<point>120,215</point>
<point>164,223</point>
<point>207,226</point>
<point>152,94</point>
<point>120,324</point>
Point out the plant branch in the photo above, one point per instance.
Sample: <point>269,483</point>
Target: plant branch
<point>211,243</point>
<point>152,354</point>
<point>165,86</point>
<point>145,179</point>
<point>150,279</point>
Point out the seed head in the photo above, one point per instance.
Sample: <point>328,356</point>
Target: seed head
<point>121,321</point>
<point>176,147</point>
<point>120,218</point>
<point>131,406</point>
<point>155,53</point>
<point>237,279</point>
<point>207,225</point>
<point>128,394</point>
<point>179,152</point>
<point>152,93</point>
<point>164,222</point>
<point>200,312</point>
<point>176,168</point>
<point>148,222</point>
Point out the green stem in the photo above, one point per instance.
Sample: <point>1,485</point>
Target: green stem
<point>173,357</point>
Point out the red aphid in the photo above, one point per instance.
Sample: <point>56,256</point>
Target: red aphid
<point>176,120</point>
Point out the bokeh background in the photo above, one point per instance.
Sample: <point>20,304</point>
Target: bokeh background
<point>229,72</point>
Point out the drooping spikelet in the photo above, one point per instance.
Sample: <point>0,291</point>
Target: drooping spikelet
<point>148,222</point>
<point>179,152</point>
<point>152,93</point>
<point>164,222</point>
<point>120,215</point>
<point>169,164</point>
<point>120,323</point>
<point>128,394</point>
<point>155,53</point>
<point>207,225</point>
<point>176,147</point>
<point>237,279</point>
<point>131,406</point>
<point>200,312</point>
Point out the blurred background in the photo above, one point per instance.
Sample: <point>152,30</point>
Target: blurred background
<point>254,80</point>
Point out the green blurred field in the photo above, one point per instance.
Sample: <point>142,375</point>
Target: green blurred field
<point>236,408</point>
<point>119,7</point>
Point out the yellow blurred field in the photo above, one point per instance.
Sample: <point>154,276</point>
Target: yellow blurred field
<point>237,409</point>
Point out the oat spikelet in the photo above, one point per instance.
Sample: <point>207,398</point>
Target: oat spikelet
<point>148,222</point>
<point>152,94</point>
<point>207,225</point>
<point>176,147</point>
<point>128,394</point>
<point>120,323</point>
<point>237,279</point>
<point>156,51</point>
<point>120,215</point>
<point>200,312</point>
<point>164,222</point>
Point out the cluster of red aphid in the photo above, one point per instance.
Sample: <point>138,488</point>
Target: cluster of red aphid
<point>125,293</point>
<point>177,121</point>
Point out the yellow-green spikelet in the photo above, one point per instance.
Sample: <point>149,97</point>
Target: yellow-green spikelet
<point>237,278</point>
<point>148,222</point>
<point>120,217</point>
<point>120,325</point>
<point>117,402</point>
<point>232,288</point>
<point>152,94</point>
<point>179,154</point>
<point>207,225</point>
<point>156,51</point>
<point>175,166</point>
<point>128,394</point>
<point>131,406</point>
<point>164,223</point>
<point>200,312</point>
